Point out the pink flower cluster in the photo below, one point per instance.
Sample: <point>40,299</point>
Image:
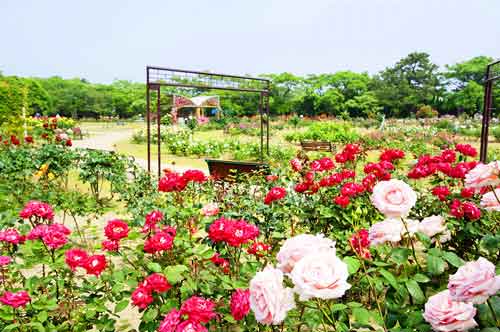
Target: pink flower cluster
<point>54,235</point>
<point>240,304</point>
<point>233,232</point>
<point>15,300</point>
<point>37,209</point>
<point>142,296</point>
<point>11,236</point>
<point>161,240</point>
<point>152,219</point>
<point>196,309</point>
<point>115,230</point>
<point>94,264</point>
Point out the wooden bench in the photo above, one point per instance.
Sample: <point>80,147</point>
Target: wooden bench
<point>317,146</point>
<point>227,170</point>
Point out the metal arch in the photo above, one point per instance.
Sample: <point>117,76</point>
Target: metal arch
<point>156,77</point>
<point>492,75</point>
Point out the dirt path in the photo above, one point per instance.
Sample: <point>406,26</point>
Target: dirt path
<point>106,141</point>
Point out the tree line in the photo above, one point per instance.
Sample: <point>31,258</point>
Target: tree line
<point>397,91</point>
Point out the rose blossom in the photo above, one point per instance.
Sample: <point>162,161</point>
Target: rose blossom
<point>190,326</point>
<point>474,282</point>
<point>210,209</point>
<point>269,300</point>
<point>240,304</point>
<point>483,175</point>
<point>432,225</point>
<point>170,322</point>
<point>447,315</point>
<point>301,245</point>
<point>198,309</point>
<point>389,230</point>
<point>116,230</point>
<point>489,201</point>
<point>110,245</point>
<point>95,264</point>
<point>15,300</point>
<point>394,198</point>
<point>141,297</point>
<point>157,282</point>
<point>76,258</point>
<point>320,275</point>
<point>5,260</point>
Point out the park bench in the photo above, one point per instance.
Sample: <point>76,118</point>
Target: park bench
<point>317,146</point>
<point>227,170</point>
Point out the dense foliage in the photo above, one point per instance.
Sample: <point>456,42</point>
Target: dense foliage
<point>398,91</point>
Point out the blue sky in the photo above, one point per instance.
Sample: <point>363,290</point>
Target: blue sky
<point>103,40</point>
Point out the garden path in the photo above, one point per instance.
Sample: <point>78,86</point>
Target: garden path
<point>107,141</point>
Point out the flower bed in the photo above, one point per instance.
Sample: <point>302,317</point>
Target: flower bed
<point>321,245</point>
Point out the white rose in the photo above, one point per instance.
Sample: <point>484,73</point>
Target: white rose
<point>389,230</point>
<point>432,225</point>
<point>321,275</point>
<point>393,198</point>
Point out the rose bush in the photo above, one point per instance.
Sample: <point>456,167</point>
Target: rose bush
<point>349,242</point>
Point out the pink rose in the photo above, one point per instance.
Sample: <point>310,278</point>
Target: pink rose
<point>240,303</point>
<point>269,300</point>
<point>389,230</point>
<point>447,315</point>
<point>320,275</point>
<point>15,300</point>
<point>483,175</point>
<point>299,246</point>
<point>489,202</point>
<point>432,225</point>
<point>170,322</point>
<point>211,209</point>
<point>5,260</point>
<point>474,282</point>
<point>394,198</point>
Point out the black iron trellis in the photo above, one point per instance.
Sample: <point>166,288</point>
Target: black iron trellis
<point>492,75</point>
<point>156,77</point>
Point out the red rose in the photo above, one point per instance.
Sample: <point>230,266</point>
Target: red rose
<point>76,258</point>
<point>198,309</point>
<point>69,142</point>
<point>160,241</point>
<point>275,194</point>
<point>170,322</point>
<point>116,230</point>
<point>360,243</point>
<point>258,249</point>
<point>471,211</point>
<point>466,150</point>
<point>194,175</point>
<point>172,182</point>
<point>11,236</point>
<point>467,192</point>
<point>157,282</point>
<point>441,192</point>
<point>54,239</point>
<point>448,156</point>
<point>190,326</point>
<point>271,178</point>
<point>28,139</point>
<point>343,201</point>
<point>152,218</point>
<point>15,300</point>
<point>296,164</point>
<point>37,209</point>
<point>95,264</point>
<point>141,297</point>
<point>326,164</point>
<point>110,245</point>
<point>240,304</point>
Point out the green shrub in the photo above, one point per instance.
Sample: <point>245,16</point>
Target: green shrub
<point>338,132</point>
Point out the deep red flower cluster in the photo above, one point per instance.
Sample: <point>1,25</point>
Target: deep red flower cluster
<point>37,209</point>
<point>162,240</point>
<point>391,155</point>
<point>14,140</point>
<point>233,232</point>
<point>322,165</point>
<point>275,194</point>
<point>441,192</point>
<point>152,219</point>
<point>115,230</point>
<point>466,150</point>
<point>361,244</point>
<point>429,165</point>
<point>196,309</point>
<point>28,139</point>
<point>15,300</point>
<point>142,296</point>
<point>221,262</point>
<point>296,164</point>
<point>258,249</point>
<point>94,264</point>
<point>240,303</point>
<point>173,181</point>
<point>348,153</point>
<point>352,189</point>
<point>11,236</point>
<point>468,210</point>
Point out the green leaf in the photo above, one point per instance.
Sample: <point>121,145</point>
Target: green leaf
<point>338,307</point>
<point>37,326</point>
<point>421,278</point>
<point>42,316</point>
<point>120,306</point>
<point>353,264</point>
<point>390,278</point>
<point>426,241</point>
<point>154,267</point>
<point>10,327</point>
<point>435,265</point>
<point>361,316</point>
<point>150,314</point>
<point>354,304</point>
<point>453,259</point>
<point>400,255</point>
<point>174,273</point>
<point>415,291</point>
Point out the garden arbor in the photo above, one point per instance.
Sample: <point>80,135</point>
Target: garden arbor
<point>158,77</point>
<point>492,76</point>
